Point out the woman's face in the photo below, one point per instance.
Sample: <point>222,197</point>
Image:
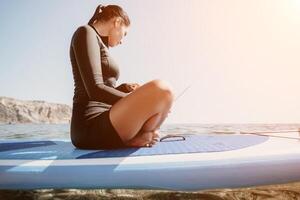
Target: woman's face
<point>117,33</point>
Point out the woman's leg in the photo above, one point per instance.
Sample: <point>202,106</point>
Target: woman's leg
<point>154,122</point>
<point>148,135</point>
<point>142,111</point>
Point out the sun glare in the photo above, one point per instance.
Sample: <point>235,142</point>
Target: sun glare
<point>294,10</point>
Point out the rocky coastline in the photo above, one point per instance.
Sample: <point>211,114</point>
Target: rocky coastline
<point>15,111</point>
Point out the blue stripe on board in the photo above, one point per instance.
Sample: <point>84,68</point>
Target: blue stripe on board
<point>48,150</point>
<point>23,145</point>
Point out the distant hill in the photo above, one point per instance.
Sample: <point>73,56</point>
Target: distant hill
<point>21,111</point>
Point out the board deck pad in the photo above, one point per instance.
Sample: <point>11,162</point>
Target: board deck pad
<point>60,150</point>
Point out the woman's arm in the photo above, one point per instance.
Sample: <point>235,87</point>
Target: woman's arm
<point>87,54</point>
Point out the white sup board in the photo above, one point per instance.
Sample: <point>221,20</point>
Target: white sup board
<point>198,162</point>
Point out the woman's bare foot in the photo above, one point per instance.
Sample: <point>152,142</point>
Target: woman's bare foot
<point>144,139</point>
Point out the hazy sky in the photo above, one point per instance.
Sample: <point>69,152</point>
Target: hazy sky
<point>242,57</point>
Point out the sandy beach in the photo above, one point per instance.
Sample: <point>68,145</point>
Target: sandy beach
<point>280,192</point>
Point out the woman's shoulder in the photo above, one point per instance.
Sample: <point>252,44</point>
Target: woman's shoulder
<point>84,29</point>
<point>83,32</point>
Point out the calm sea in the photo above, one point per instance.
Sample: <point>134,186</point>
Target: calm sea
<point>61,131</point>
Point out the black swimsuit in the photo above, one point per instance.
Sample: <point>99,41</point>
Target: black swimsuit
<point>95,74</point>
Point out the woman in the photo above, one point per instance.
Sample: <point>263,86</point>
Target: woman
<point>105,116</point>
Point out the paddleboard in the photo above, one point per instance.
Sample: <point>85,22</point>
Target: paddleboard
<point>195,162</point>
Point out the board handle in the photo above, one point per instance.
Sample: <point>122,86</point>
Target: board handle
<point>179,138</point>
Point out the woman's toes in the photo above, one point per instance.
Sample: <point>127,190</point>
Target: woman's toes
<point>144,139</point>
<point>155,135</point>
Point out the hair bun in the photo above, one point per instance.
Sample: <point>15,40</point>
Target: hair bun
<point>101,7</point>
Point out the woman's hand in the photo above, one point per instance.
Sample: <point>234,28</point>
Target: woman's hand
<point>128,87</point>
<point>132,86</point>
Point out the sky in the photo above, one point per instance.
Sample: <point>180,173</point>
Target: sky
<point>241,57</point>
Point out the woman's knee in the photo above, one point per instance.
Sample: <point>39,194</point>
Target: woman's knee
<point>163,89</point>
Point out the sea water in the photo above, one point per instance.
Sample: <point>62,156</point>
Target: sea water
<point>62,131</point>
